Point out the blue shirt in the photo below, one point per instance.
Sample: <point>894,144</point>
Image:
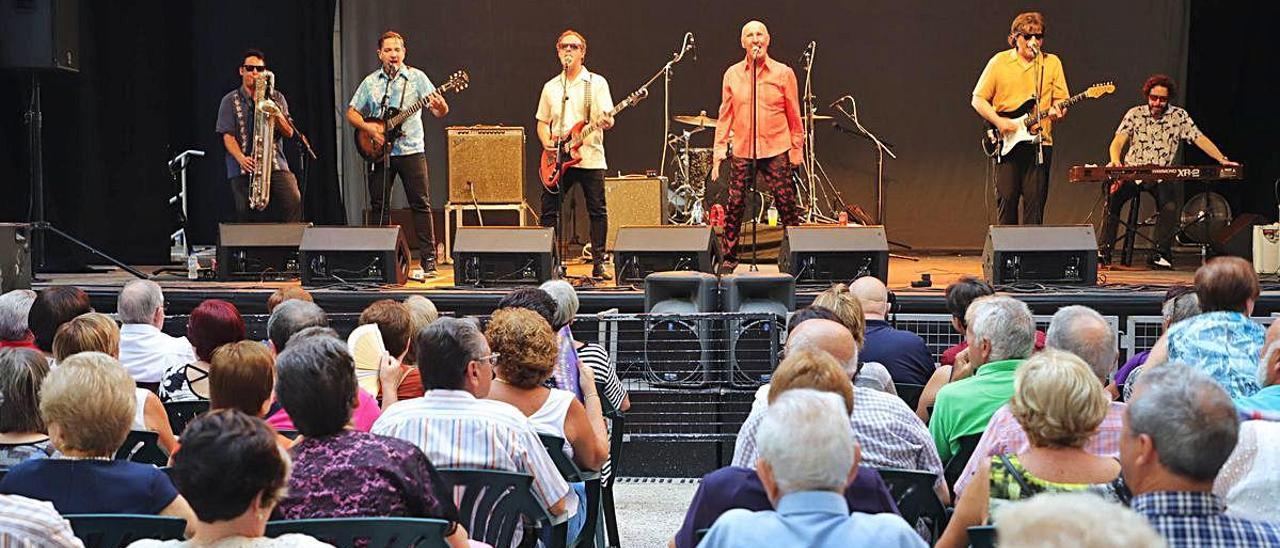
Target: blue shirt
<point>229,122</point>
<point>92,486</point>
<point>1225,345</point>
<point>1196,520</point>
<point>409,86</point>
<point>903,353</point>
<point>810,518</point>
<point>1265,400</point>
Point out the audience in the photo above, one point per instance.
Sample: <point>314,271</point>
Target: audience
<point>395,325</point>
<point>241,377</point>
<point>1266,399</point>
<point>229,444</point>
<point>146,352</point>
<point>1073,520</point>
<point>290,317</point>
<point>1059,403</point>
<point>565,376</point>
<point>1250,478</point>
<point>903,353</point>
<point>591,355</point>
<point>286,293</point>
<point>87,403</point>
<point>839,305</point>
<point>367,410</point>
<point>212,324</point>
<point>29,522</point>
<point>1180,302</point>
<point>1001,335</point>
<point>53,307</point>
<point>959,295</point>
<point>807,459</point>
<point>22,432</point>
<point>15,306</point>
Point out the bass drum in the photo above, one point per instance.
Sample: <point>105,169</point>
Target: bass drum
<point>680,201</point>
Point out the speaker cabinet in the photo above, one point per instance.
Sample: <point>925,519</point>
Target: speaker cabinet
<point>1237,238</point>
<point>503,255</point>
<point>634,200</point>
<point>15,256</point>
<point>40,34</point>
<point>259,251</point>
<point>486,164</point>
<point>679,349</point>
<point>828,254</point>
<point>1050,254</point>
<point>643,250</point>
<point>755,341</point>
<point>354,255</point>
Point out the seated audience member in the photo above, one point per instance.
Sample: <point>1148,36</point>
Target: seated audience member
<point>226,444</point>
<point>87,404</point>
<point>1059,403</point>
<point>395,325</point>
<point>1266,399</point>
<point>339,472</point>
<point>212,324</point>
<point>1180,302</point>
<point>565,377</point>
<point>848,311</point>
<point>291,317</point>
<point>807,459</point>
<point>22,432</point>
<point>366,412</point>
<point>1073,520</point>
<point>1222,341</point>
<point>1083,332</point>
<point>421,313</point>
<point>591,355</point>
<point>145,351</point>
<point>1250,479</point>
<point>241,377</point>
<point>960,294</point>
<point>903,353</point>
<point>30,522</point>
<point>53,307</point>
<point>1001,335</point>
<point>865,374</point>
<point>468,431</point>
<point>286,293</point>
<point>94,332</point>
<point>1179,429</point>
<point>14,308</point>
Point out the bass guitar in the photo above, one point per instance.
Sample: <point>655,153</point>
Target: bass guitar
<point>567,154</point>
<point>393,118</point>
<point>999,144</point>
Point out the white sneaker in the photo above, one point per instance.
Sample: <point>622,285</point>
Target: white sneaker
<point>1161,262</point>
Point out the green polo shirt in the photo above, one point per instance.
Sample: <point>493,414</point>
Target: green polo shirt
<point>964,407</point>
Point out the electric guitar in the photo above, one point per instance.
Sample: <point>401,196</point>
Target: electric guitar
<point>998,145</point>
<point>393,118</point>
<point>566,154</point>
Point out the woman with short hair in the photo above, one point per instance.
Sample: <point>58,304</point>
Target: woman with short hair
<point>22,432</point>
<point>212,324</point>
<point>591,355</point>
<point>241,377</point>
<point>53,307</point>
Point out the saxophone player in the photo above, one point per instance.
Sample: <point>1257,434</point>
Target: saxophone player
<point>236,121</point>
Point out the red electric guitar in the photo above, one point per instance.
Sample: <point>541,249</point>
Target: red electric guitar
<point>566,154</point>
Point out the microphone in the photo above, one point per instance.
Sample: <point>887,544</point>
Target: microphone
<point>693,47</point>
<point>808,52</point>
<point>837,101</point>
<point>755,52</point>
<point>1035,49</point>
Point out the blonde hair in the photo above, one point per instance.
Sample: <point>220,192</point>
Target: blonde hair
<point>90,398</point>
<point>846,306</point>
<point>812,369</point>
<point>526,346</point>
<point>1057,399</point>
<point>1071,520</point>
<point>89,332</point>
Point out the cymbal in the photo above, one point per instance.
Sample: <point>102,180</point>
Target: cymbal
<point>822,117</point>
<point>701,120</point>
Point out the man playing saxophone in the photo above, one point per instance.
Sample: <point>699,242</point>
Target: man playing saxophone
<point>236,123</point>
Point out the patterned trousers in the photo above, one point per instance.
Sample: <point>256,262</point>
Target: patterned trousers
<point>774,175</point>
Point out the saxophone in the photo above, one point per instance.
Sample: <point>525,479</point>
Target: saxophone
<point>264,125</point>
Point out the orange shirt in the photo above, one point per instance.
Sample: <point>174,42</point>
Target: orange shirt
<point>778,125</point>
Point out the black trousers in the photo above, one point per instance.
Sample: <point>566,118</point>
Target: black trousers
<point>412,169</point>
<point>1018,177</point>
<point>1168,194</point>
<point>285,205</point>
<point>592,182</point>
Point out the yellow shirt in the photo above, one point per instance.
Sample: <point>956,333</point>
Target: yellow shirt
<point>1008,81</point>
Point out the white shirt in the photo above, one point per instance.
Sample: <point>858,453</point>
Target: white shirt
<point>146,352</point>
<point>1250,478</point>
<point>282,541</point>
<point>550,418</point>
<point>549,109</point>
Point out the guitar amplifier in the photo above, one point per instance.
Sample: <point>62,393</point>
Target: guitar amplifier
<point>486,160</point>
<point>634,200</point>
<point>259,251</point>
<point>354,254</point>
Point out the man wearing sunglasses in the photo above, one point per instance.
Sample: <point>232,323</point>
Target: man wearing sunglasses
<point>573,95</point>
<point>235,123</point>
<point>1010,78</point>
<point>1153,133</point>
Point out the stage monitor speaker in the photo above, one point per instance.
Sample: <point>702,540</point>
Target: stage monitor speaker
<point>1048,254</point>
<point>754,342</point>
<point>678,347</point>
<point>643,250</point>
<point>828,254</point>
<point>40,34</point>
<point>354,255</point>
<point>486,164</point>
<point>15,256</point>
<point>634,200</point>
<point>503,255</point>
<point>1237,238</point>
<point>259,251</point>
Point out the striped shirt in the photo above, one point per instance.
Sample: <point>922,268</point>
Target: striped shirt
<point>30,522</point>
<point>457,430</point>
<point>597,358</point>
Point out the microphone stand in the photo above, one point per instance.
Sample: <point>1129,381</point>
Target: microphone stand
<point>686,45</point>
<point>755,221</point>
<point>561,252</point>
<point>881,150</point>
<point>810,155</point>
<point>385,209</point>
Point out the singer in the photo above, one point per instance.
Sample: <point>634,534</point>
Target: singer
<point>573,95</point>
<point>768,144</point>
<point>235,124</point>
<point>398,85</point>
<point>1009,80</point>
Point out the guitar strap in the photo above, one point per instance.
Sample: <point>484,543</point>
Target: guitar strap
<point>586,97</point>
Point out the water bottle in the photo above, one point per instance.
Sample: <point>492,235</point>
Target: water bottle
<point>697,213</point>
<point>193,267</point>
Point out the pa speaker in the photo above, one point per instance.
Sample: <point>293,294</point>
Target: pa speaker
<point>260,251</point>
<point>15,256</point>
<point>40,34</point>
<point>643,250</point>
<point>354,255</point>
<point>678,345</point>
<point>1051,254</point>
<point>503,255</point>
<point>634,200</point>
<point>754,341</point>
<point>828,254</point>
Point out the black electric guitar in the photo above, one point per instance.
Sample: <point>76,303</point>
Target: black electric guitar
<point>393,118</point>
<point>998,145</point>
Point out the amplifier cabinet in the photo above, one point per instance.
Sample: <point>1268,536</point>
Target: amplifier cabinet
<point>486,160</point>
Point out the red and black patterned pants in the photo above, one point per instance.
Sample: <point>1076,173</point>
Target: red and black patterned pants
<point>774,175</point>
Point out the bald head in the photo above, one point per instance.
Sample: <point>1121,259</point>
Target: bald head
<point>873,295</point>
<point>755,34</point>
<point>1082,331</point>
<point>827,336</point>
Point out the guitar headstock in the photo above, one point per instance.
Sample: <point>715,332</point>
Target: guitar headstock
<point>457,81</point>
<point>1098,90</point>
<point>637,96</point>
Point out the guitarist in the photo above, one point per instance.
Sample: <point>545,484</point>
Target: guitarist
<point>1009,80</point>
<point>574,95</point>
<point>397,85</point>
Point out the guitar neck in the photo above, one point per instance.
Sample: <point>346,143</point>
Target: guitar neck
<point>1066,102</point>
<point>403,115</point>
<point>595,126</point>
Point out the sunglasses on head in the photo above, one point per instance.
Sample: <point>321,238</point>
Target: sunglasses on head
<point>1030,35</point>
<point>254,68</point>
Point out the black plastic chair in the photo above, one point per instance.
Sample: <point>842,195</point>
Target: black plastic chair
<point>115,530</point>
<point>571,473</point>
<point>493,503</point>
<point>617,428</point>
<point>913,491</point>
<point>982,536</point>
<point>142,446</point>
<point>370,532</point>
<point>956,465</point>
<point>182,412</point>
<point>291,434</point>
<point>910,393</point>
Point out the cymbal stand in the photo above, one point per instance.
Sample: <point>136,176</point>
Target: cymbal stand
<point>810,185</point>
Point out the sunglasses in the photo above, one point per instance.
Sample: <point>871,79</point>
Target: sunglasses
<point>1027,35</point>
<point>254,68</point>
<point>1159,98</point>
<point>570,46</point>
